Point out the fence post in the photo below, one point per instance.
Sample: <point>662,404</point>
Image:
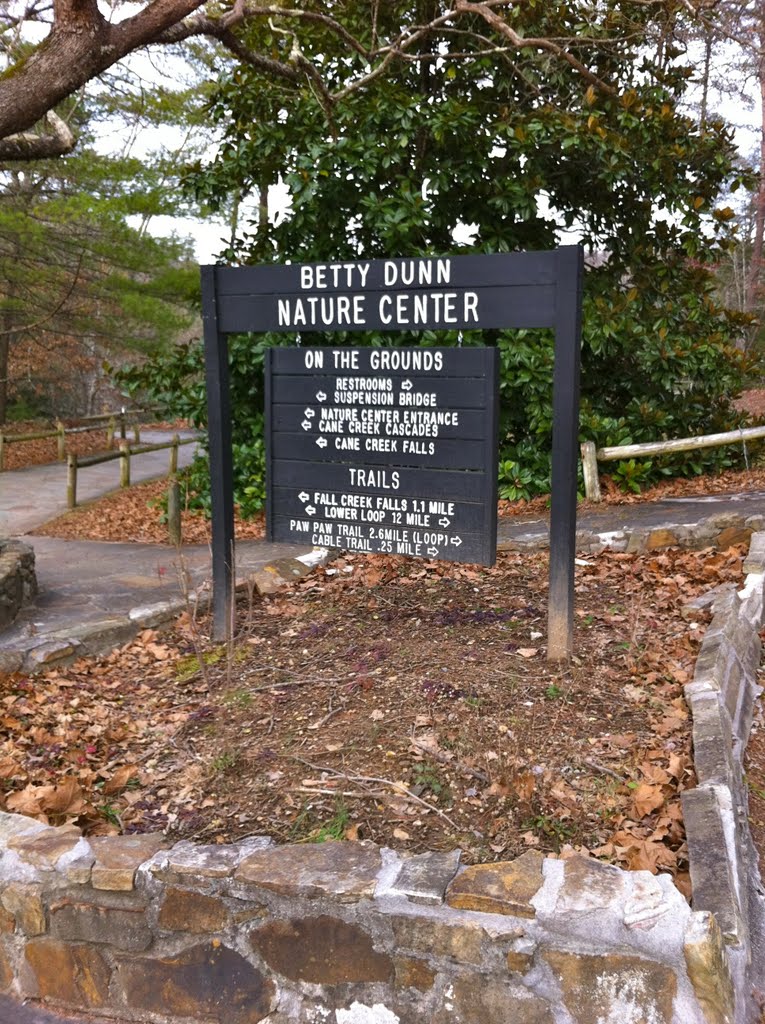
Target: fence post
<point>71,481</point>
<point>137,434</point>
<point>110,433</point>
<point>174,455</point>
<point>124,464</point>
<point>122,423</point>
<point>590,471</point>
<point>174,512</point>
<point>61,441</point>
<point>2,452</point>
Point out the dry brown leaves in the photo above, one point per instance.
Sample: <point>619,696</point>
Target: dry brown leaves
<point>19,455</point>
<point>401,701</point>
<point>136,515</point>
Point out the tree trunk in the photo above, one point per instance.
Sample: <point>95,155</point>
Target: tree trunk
<point>755,264</point>
<point>5,344</point>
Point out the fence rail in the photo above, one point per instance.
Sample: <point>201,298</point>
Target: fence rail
<point>75,464</point>
<point>111,420</point>
<point>592,455</point>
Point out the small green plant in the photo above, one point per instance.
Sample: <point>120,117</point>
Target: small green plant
<point>757,790</point>
<point>631,475</point>
<point>335,827</point>
<point>238,700</point>
<point>224,762</point>
<point>548,828</point>
<point>514,481</point>
<point>111,814</point>
<point>553,692</point>
<point>427,779</point>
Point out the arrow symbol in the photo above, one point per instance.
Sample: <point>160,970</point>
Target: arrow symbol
<point>322,442</point>
<point>306,424</point>
<point>320,396</point>
<point>456,541</point>
<point>310,509</point>
<point>407,385</point>
<point>444,522</point>
<point>310,413</point>
<point>304,496</point>
<point>432,552</point>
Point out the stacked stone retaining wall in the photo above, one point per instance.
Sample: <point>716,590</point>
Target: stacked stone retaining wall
<point>18,583</point>
<point>348,933</point>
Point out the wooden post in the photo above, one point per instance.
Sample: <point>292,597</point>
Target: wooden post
<point>137,434</point>
<point>122,423</point>
<point>221,458</point>
<point>2,451</point>
<point>568,339</point>
<point>110,426</point>
<point>71,481</point>
<point>174,455</point>
<point>174,512</point>
<point>124,464</point>
<point>61,441</point>
<point>590,471</point>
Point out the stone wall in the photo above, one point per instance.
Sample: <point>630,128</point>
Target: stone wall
<point>18,583</point>
<point>348,933</point>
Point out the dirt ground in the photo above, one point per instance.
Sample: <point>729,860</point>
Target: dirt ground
<point>405,702</point>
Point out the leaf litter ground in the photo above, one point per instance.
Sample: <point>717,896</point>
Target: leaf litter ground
<point>381,698</point>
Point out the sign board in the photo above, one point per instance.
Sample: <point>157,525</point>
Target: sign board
<point>384,450</point>
<point>504,290</point>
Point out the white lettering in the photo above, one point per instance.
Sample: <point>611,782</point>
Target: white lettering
<point>314,358</point>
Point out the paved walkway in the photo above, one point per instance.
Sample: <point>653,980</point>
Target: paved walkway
<point>95,595</point>
<point>33,496</point>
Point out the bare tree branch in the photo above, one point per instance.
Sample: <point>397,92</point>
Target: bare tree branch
<point>485,10</point>
<point>28,146</point>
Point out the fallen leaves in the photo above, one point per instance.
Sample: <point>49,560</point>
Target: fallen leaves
<point>58,804</point>
<point>418,694</point>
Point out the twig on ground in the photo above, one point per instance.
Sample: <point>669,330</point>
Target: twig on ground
<point>459,765</point>
<point>603,770</point>
<point>397,786</point>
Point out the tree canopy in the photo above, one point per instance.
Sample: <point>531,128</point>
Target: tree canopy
<point>467,146</point>
<point>83,40</point>
<point>82,282</point>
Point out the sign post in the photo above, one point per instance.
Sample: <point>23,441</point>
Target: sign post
<point>507,290</point>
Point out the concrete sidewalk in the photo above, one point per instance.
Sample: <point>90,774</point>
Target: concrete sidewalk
<point>95,595</point>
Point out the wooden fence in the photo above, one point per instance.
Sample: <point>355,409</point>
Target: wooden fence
<point>75,464</point>
<point>592,455</point>
<point>112,421</point>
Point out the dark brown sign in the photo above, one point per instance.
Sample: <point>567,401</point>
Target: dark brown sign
<point>384,450</point>
<point>503,290</point>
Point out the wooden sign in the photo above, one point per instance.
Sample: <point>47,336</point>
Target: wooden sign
<point>503,290</point>
<point>390,451</point>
